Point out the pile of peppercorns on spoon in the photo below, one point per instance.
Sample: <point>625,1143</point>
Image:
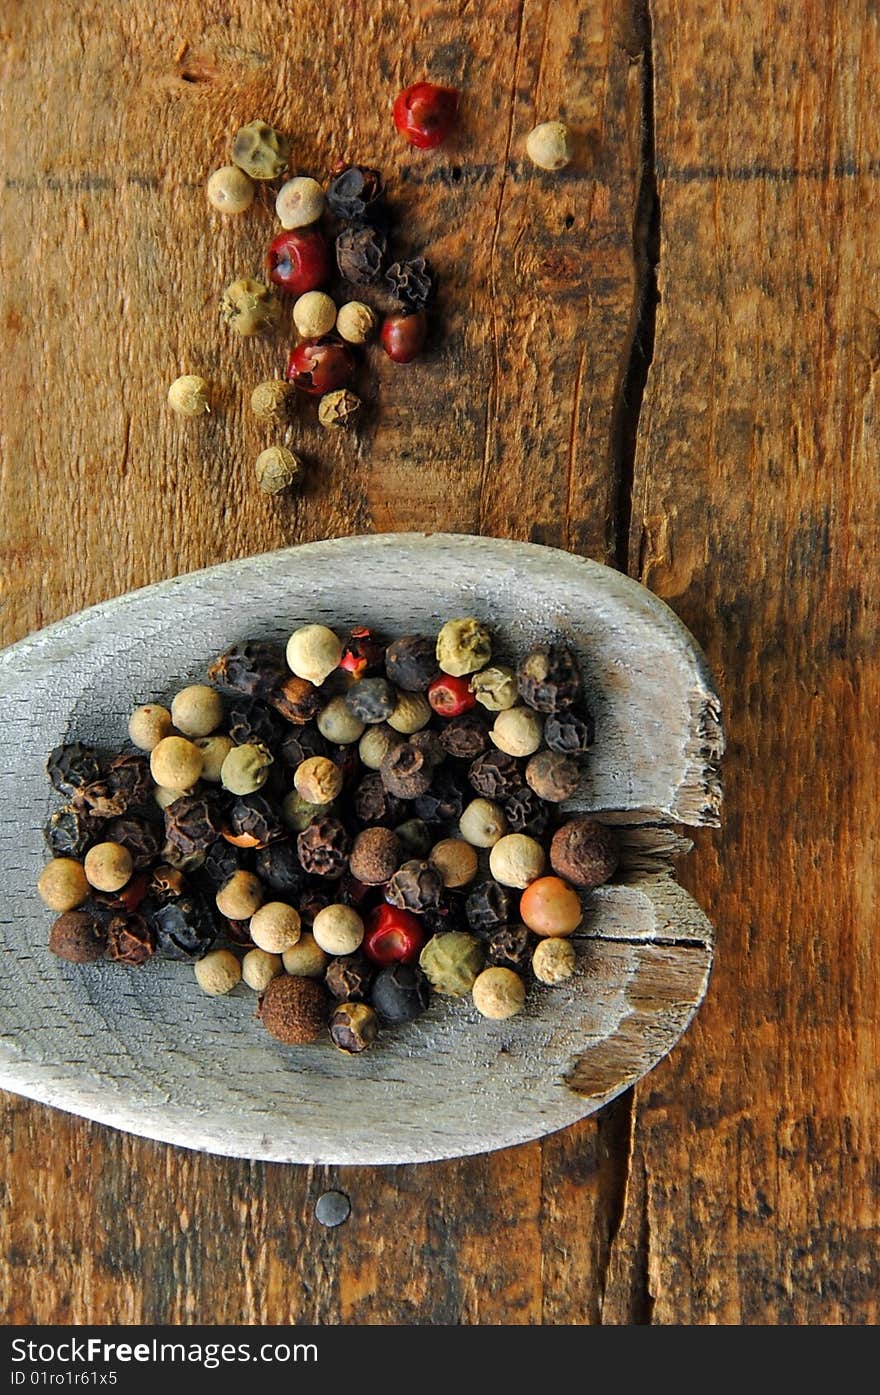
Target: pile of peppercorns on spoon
<point>352,827</point>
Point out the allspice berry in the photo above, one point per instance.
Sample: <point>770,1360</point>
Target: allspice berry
<point>218,972</point>
<point>412,712</point>
<point>314,314</point>
<point>271,401</point>
<point>245,769</point>
<point>584,852</point>
<point>148,725</point>
<point>552,776</point>
<point>197,710</point>
<point>276,468</point>
<point>339,410</point>
<point>549,906</point>
<point>240,896</point>
<point>455,860</point>
<point>553,961</point>
<point>356,322</point>
<point>249,307</point>
<point>306,959</point>
<point>190,396</point>
<point>517,860</point>
<point>463,646</point>
<point>259,968</point>
<point>294,1009</point>
<point>63,884</point>
<point>78,937</point>
<point>338,929</point>
<point>176,763</point>
<point>108,866</point>
<point>230,190</point>
<point>338,723</point>
<point>318,780</point>
<point>313,652</point>
<point>482,823</point>
<point>299,202</point>
<point>275,927</point>
<point>498,993</point>
<point>376,855</point>
<point>518,731</point>
<point>549,146</point>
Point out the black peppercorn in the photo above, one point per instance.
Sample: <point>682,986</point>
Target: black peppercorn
<point>140,837</point>
<point>254,820</point>
<point>487,906</point>
<point>447,915</point>
<point>552,776</point>
<point>357,195</point>
<point>465,737</point>
<point>349,977</point>
<point>412,282</point>
<point>301,744</point>
<point>130,939</point>
<point>125,783</point>
<point>568,733</point>
<point>415,886</point>
<point>406,771</point>
<point>255,669</point>
<point>549,679</point>
<point>401,993</point>
<point>526,812</point>
<point>443,801</point>
<point>253,723</point>
<point>323,847</point>
<point>496,775</point>
<point>239,932</point>
<point>166,883</point>
<point>73,766</point>
<point>347,760</point>
<point>192,823</point>
<point>373,804</point>
<point>371,700</point>
<point>296,699</point>
<point>510,947</point>
<point>353,1027</point>
<point>313,900</point>
<point>185,927</point>
<point>222,860</point>
<point>411,663</point>
<point>70,831</point>
<point>360,254</point>
<point>278,867</point>
<point>428,742</point>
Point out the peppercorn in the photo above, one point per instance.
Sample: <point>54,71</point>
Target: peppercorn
<point>313,652</point>
<point>584,852</point>
<point>259,968</point>
<point>406,771</point>
<point>412,282</point>
<point>318,780</point>
<point>526,813</point>
<point>294,1009</point>
<point>339,410</point>
<point>323,847</point>
<point>140,837</point>
<point>349,978</point>
<point>255,668</point>
<point>568,733</point>
<point>482,823</point>
<point>465,737</point>
<point>552,776</point>
<point>356,194</point>
<point>455,860</point>
<point>356,322</point>
<point>297,813</point>
<point>549,679</point>
<point>518,731</point>
<point>487,906</point>
<point>450,697</point>
<point>107,867</point>
<point>314,314</point>
<point>299,202</point>
<point>148,724</point>
<point>447,916</point>
<point>165,883</point>
<point>424,114</point>
<point>298,745</point>
<point>278,868</point>
<point>548,146</point>
<point>130,939</point>
<point>275,927</point>
<point>245,769</point>
<point>230,190</point>
<point>415,886</point>
<point>375,856</point>
<point>214,751</point>
<point>415,837</point>
<point>463,646</point>
<point>307,959</point>
<point>510,947</point>
<point>392,936</point>
<point>128,898</point>
<point>360,254</point>
<point>190,396</point>
<point>70,830</point>
<point>338,929</point>
<point>410,663</point>
<point>553,961</point>
<point>126,782</point>
<point>298,261</point>
<point>498,993</point>
<point>78,937</point>
<point>372,700</point>
<point>364,653</point>
<point>516,860</point>
<point>184,927</point>
<point>443,801</point>
<point>411,713</point>
<point>375,744</point>
<point>240,897</point>
<point>495,688</point>
<point>297,700</point>
<point>338,724</point>
<point>496,774</point>
<point>176,763</point>
<point>252,821</point>
<point>271,401</point>
<point>403,335</point>
<point>353,1027</point>
<point>260,150</point>
<point>249,307</point>
<point>197,710</point>
<point>451,962</point>
<point>550,906</point>
<point>276,468</point>
<point>400,993</point>
<point>72,767</point>
<point>252,722</point>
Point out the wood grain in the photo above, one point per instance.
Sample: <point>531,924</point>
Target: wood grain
<point>739,1184</point>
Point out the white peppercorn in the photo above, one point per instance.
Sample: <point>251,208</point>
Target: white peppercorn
<point>275,927</point>
<point>164,796</point>
<point>412,712</point>
<point>314,314</point>
<point>259,968</point>
<point>240,896</point>
<point>554,960</point>
<point>306,959</point>
<point>218,972</point>
<point>271,400</point>
<point>176,763</point>
<point>197,710</point>
<point>482,823</point>
<point>147,726</point>
<point>63,884</point>
<point>313,652</point>
<point>517,860</point>
<point>375,744</point>
<point>189,396</point>
<point>518,731</point>
<point>338,929</point>
<point>338,723</point>
<point>299,202</point>
<point>548,146</point>
<point>498,993</point>
<point>214,751</point>
<point>356,322</point>
<point>245,769</point>
<point>230,190</point>
<point>108,866</point>
<point>318,780</point>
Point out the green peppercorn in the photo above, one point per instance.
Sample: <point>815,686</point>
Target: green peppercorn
<point>249,307</point>
<point>260,150</point>
<point>451,962</point>
<point>276,469</point>
<point>463,646</point>
<point>338,410</point>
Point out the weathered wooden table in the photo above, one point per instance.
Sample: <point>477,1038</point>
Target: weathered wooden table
<point>712,429</point>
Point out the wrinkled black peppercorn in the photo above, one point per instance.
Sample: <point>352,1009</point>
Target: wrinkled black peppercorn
<point>185,927</point>
<point>496,775</point>
<point>278,867</point>
<point>255,669</point>
<point>360,254</point>
<point>447,915</point>
<point>130,939</point>
<point>140,837</point>
<point>301,744</point>
<point>401,993</point>
<point>373,804</point>
<point>415,886</point>
<point>549,679</point>
<point>412,282</point>
<point>350,977</point>
<point>314,899</point>
<point>126,782</point>
<point>443,801</point>
<point>193,823</point>
<point>70,768</point>
<point>253,723</point>
<point>411,662</point>
<point>253,816</point>
<point>526,813</point>
<point>70,831</point>
<point>222,860</point>
<point>568,733</point>
<point>465,737</point>
<point>487,906</point>
<point>323,847</point>
<point>510,947</point>
<point>357,195</point>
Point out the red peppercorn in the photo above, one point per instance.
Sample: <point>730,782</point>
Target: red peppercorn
<point>449,696</point>
<point>425,114</point>
<point>317,366</point>
<point>393,936</point>
<point>363,654</point>
<point>298,261</point>
<point>403,336</point>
